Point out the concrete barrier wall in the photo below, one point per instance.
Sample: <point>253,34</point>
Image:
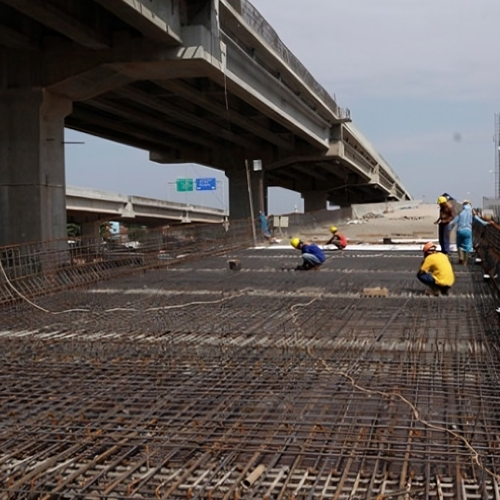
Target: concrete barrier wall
<point>317,220</point>
<point>359,211</point>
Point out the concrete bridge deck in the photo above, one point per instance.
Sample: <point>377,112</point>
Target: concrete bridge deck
<point>194,381</point>
<point>90,206</point>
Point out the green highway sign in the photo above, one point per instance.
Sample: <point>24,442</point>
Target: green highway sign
<point>185,184</point>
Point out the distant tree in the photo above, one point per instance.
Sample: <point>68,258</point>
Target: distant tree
<point>136,232</point>
<point>105,230</point>
<point>73,230</point>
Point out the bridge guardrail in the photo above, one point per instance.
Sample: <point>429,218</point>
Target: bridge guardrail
<point>356,157</point>
<point>257,22</point>
<point>385,181</point>
<point>301,224</point>
<point>487,247</point>
<point>399,192</point>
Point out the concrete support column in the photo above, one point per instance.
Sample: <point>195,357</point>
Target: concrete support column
<point>32,178</point>
<point>341,198</point>
<point>91,229</point>
<point>314,200</point>
<point>239,200</point>
<point>336,132</point>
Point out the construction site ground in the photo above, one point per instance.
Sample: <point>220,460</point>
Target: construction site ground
<point>414,221</point>
<point>197,381</point>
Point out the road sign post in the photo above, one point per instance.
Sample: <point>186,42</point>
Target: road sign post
<point>184,185</point>
<point>206,184</point>
<point>250,201</point>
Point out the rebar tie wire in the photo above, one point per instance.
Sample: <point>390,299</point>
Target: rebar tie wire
<point>416,413</point>
<point>115,309</point>
<point>475,454</point>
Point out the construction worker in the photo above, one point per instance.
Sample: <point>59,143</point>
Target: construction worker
<point>436,271</point>
<point>312,255</point>
<point>264,227</point>
<point>337,239</point>
<point>445,217</point>
<point>463,221</point>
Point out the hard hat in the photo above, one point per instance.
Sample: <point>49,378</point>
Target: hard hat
<point>429,247</point>
<point>333,229</point>
<point>442,199</point>
<point>295,242</point>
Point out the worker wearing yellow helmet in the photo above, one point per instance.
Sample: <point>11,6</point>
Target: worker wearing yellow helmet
<point>436,271</point>
<point>445,217</point>
<point>312,255</point>
<point>337,239</point>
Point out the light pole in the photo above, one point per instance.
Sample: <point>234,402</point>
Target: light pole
<point>495,186</point>
<point>496,140</point>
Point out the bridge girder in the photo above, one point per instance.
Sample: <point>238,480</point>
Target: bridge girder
<point>189,81</point>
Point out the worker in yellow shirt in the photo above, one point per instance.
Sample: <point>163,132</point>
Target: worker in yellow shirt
<point>436,271</point>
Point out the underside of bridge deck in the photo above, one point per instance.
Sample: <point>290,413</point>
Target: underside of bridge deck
<point>190,81</point>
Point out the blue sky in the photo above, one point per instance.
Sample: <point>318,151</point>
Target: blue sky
<point>421,78</point>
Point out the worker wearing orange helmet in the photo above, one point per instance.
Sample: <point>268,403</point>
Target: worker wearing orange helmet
<point>312,255</point>
<point>337,239</point>
<point>446,215</point>
<point>436,271</point>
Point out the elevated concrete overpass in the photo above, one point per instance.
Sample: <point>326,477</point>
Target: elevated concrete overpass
<point>351,172</point>
<point>202,81</point>
<point>89,207</point>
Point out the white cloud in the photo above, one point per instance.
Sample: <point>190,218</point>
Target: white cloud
<point>423,70</point>
<point>413,72</point>
<point>394,47</point>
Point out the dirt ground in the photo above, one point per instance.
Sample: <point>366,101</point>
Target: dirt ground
<point>398,223</point>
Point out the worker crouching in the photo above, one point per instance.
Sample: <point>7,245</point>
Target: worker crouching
<point>337,239</point>
<point>436,271</point>
<point>312,255</point>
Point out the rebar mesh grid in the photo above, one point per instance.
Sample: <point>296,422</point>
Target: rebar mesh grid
<point>32,270</point>
<point>200,382</point>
